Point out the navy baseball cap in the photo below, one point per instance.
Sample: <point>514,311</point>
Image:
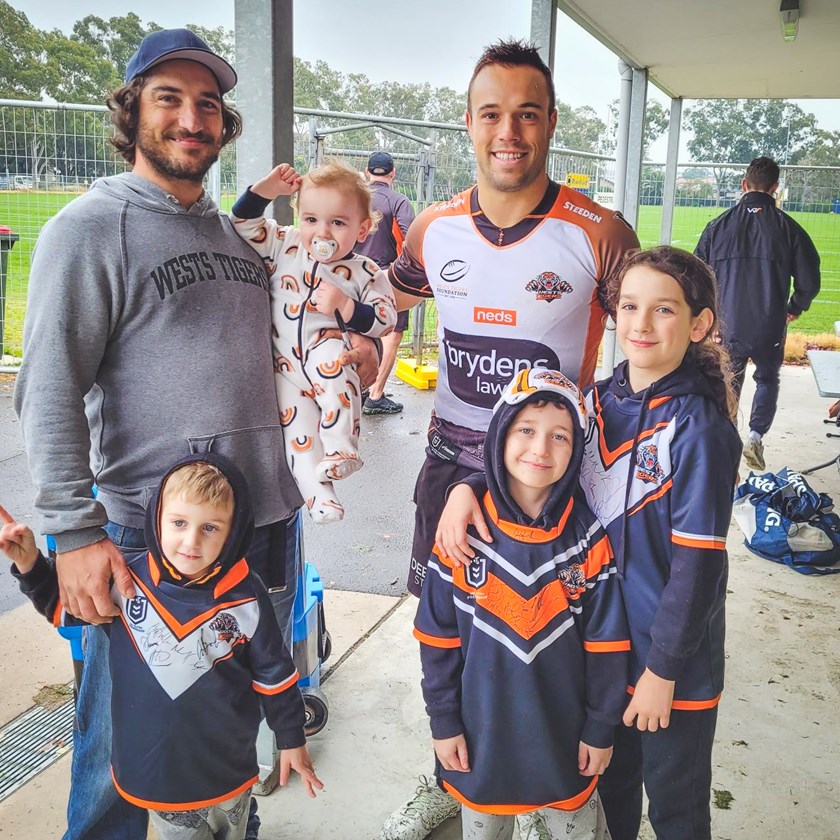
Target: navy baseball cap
<point>380,163</point>
<point>169,44</point>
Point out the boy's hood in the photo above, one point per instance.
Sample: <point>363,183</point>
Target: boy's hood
<point>137,190</point>
<point>242,526</point>
<point>529,386</point>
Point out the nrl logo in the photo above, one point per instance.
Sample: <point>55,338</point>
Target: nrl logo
<point>476,572</point>
<point>548,286</point>
<point>136,609</point>
<point>647,463</point>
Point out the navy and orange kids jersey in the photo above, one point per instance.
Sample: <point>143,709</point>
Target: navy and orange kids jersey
<point>659,472</point>
<point>191,666</point>
<point>525,650</point>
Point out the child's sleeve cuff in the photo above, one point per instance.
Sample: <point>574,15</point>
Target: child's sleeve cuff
<point>249,205</point>
<point>663,665</point>
<point>35,576</point>
<point>446,726</point>
<point>598,734</point>
<point>289,739</point>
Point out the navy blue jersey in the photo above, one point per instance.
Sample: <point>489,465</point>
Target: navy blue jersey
<point>524,651</point>
<point>659,472</point>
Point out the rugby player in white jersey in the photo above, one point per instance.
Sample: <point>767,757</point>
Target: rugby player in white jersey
<point>516,265</point>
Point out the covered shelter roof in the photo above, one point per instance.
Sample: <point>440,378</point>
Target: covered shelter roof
<point>720,49</point>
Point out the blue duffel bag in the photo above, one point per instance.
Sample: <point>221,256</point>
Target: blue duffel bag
<point>785,521</point>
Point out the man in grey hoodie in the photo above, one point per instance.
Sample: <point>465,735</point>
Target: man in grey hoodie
<point>147,337</point>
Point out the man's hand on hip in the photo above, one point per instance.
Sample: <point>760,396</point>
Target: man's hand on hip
<point>84,581</point>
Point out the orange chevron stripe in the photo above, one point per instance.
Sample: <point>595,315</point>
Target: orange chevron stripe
<point>609,456</point>
<point>525,616</point>
<point>659,493</point>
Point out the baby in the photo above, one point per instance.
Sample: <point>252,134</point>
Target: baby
<point>315,280</point>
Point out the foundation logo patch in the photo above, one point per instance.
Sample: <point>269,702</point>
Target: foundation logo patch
<point>476,572</point>
<point>226,628</point>
<point>136,609</point>
<point>549,286</point>
<point>647,464</point>
<point>454,271</point>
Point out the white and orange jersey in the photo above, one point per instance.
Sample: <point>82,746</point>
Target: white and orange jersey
<point>511,298</point>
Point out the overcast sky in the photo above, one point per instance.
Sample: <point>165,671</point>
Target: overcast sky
<point>436,41</point>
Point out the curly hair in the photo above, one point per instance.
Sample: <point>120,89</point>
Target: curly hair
<point>699,286</point>
<point>124,105</point>
<point>339,176</point>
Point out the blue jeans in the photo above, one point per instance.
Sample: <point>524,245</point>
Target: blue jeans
<point>95,811</point>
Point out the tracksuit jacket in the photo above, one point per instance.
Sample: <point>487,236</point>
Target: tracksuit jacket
<point>525,650</point>
<point>754,249</point>
<point>191,664</point>
<point>659,472</point>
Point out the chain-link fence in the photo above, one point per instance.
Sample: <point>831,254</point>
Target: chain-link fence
<point>49,154</point>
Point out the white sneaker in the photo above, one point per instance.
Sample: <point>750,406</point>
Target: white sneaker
<point>754,454</point>
<point>422,814</point>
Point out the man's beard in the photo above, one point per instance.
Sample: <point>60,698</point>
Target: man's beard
<point>189,168</point>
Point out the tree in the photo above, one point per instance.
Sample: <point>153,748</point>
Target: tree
<point>738,130</point>
<point>580,129</point>
<point>656,123</point>
<point>116,39</point>
<point>22,70</point>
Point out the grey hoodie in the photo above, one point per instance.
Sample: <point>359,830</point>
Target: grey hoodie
<point>147,337</point>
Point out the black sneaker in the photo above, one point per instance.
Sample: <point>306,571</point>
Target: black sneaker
<point>383,405</point>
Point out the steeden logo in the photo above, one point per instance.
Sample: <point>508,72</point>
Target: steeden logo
<point>502,317</point>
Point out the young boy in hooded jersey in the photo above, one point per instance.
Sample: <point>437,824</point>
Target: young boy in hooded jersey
<point>193,657</point>
<point>524,650</point>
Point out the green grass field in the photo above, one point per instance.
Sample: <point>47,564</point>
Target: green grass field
<point>26,213</point>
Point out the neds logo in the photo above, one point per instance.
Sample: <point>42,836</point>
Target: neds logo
<point>454,271</point>
<point>503,317</point>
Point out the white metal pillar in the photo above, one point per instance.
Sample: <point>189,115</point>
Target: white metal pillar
<point>669,188</point>
<point>635,147</point>
<point>622,133</point>
<point>544,29</point>
<point>265,93</point>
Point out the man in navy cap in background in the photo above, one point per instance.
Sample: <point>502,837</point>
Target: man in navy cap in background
<point>147,337</point>
<point>383,246</point>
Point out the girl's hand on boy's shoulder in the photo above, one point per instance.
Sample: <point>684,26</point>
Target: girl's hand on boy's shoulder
<point>461,511</point>
<point>592,761</point>
<point>282,180</point>
<point>17,542</point>
<point>650,707</point>
<point>298,760</point>
<point>452,753</point>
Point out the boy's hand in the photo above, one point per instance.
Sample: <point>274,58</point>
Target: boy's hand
<point>282,180</point>
<point>17,542</point>
<point>298,760</point>
<point>651,703</point>
<point>452,753</point>
<point>461,511</point>
<point>327,298</point>
<point>592,761</point>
